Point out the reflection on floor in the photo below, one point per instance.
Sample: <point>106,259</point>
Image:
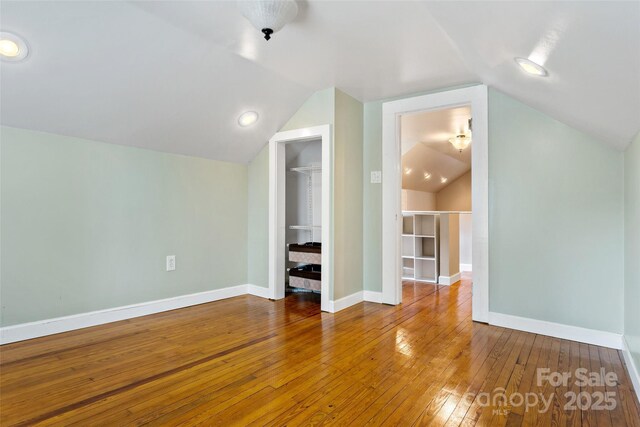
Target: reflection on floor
<point>248,360</point>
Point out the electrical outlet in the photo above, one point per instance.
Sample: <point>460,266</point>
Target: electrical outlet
<point>171,262</point>
<point>376,177</point>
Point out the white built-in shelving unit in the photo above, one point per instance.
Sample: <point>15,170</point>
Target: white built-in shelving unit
<point>420,246</point>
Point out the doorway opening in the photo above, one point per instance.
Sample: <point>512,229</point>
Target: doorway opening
<point>436,190</point>
<point>412,242</point>
<point>300,243</point>
<point>303,206</point>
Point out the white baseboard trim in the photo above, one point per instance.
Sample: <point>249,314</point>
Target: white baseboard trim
<point>348,301</point>
<point>372,296</point>
<point>466,267</point>
<point>557,330</point>
<point>258,291</point>
<point>634,373</point>
<point>41,328</point>
<point>448,280</point>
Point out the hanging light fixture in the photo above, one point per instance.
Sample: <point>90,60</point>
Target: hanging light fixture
<point>268,16</point>
<point>462,141</point>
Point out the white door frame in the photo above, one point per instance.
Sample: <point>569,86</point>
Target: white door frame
<point>476,97</point>
<point>277,206</point>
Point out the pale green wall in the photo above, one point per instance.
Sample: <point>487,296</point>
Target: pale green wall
<point>258,220</point>
<point>347,196</point>
<point>632,248</point>
<point>556,212</point>
<point>372,198</point>
<point>344,113</point>
<point>317,110</point>
<point>555,220</point>
<point>558,191</point>
<point>87,226</point>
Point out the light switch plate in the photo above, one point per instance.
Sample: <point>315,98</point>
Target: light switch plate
<point>376,177</point>
<point>171,262</point>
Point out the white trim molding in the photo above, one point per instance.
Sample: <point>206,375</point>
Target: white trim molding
<point>372,296</point>
<point>41,328</point>
<point>477,98</point>
<point>258,291</point>
<point>345,302</point>
<point>466,267</point>
<point>557,330</point>
<point>448,280</point>
<point>353,299</point>
<point>57,325</point>
<point>634,373</point>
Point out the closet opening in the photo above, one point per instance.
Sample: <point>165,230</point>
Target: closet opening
<point>303,201</point>
<point>300,243</point>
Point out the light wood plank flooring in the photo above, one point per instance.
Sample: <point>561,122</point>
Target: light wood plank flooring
<point>249,361</point>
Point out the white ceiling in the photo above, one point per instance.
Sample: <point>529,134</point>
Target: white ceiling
<point>426,148</point>
<point>590,48</point>
<point>174,75</point>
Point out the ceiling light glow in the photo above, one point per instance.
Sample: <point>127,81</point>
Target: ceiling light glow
<point>427,176</point>
<point>247,118</point>
<point>531,67</point>
<point>407,171</point>
<point>460,142</point>
<point>9,48</point>
<point>443,179</point>
<point>556,29</point>
<point>12,47</point>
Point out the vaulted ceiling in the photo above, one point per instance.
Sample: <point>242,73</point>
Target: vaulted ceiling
<point>429,161</point>
<point>174,75</point>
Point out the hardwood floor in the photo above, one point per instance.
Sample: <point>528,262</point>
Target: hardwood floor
<point>250,361</point>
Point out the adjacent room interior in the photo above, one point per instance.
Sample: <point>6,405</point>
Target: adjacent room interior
<point>436,195</point>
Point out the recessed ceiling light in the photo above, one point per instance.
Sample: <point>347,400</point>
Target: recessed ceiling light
<point>443,179</point>
<point>427,175</point>
<point>248,118</point>
<point>12,47</point>
<point>531,67</point>
<point>407,171</point>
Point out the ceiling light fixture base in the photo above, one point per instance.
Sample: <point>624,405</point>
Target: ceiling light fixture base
<point>268,16</point>
<point>267,33</point>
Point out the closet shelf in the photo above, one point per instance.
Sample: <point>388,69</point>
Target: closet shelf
<point>307,169</point>
<point>304,227</point>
